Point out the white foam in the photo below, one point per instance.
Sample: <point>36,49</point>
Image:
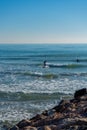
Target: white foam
<point>13,111</point>
<point>62,85</point>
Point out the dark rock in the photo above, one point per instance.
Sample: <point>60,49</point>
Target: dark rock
<point>45,113</point>
<point>62,106</point>
<point>23,123</point>
<point>37,117</point>
<point>80,93</point>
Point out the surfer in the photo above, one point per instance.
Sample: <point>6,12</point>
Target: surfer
<point>44,63</point>
<point>77,60</point>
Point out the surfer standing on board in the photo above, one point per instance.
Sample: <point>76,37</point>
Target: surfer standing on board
<point>77,60</point>
<point>44,63</point>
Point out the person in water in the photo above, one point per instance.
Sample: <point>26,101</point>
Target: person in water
<point>77,60</point>
<point>44,63</point>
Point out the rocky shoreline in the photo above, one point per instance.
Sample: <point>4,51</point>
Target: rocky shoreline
<point>67,115</point>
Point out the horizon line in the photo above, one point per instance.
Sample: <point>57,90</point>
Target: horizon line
<point>43,43</point>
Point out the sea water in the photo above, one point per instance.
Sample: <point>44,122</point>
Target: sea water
<point>28,88</point>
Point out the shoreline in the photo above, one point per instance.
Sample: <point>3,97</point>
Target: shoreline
<point>67,115</point>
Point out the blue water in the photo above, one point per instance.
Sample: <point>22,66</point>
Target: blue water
<point>27,88</point>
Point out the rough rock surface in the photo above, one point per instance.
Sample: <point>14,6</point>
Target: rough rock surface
<point>68,115</point>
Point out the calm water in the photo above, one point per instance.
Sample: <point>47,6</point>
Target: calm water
<point>26,88</point>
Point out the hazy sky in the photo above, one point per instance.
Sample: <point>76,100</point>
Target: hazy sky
<point>43,21</point>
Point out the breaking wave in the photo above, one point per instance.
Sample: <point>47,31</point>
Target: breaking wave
<point>21,96</point>
<point>45,75</point>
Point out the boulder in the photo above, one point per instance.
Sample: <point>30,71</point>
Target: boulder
<point>80,93</point>
<point>23,123</point>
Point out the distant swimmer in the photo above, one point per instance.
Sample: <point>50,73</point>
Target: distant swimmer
<point>44,63</point>
<point>77,60</point>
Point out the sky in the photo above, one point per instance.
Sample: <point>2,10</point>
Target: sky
<point>43,21</point>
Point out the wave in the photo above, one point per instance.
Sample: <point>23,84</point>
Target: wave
<point>66,65</point>
<point>21,96</point>
<point>50,75</point>
<point>32,74</point>
<point>42,75</point>
<point>36,74</point>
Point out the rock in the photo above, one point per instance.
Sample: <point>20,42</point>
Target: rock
<point>80,93</point>
<point>29,128</point>
<point>47,128</point>
<point>53,127</point>
<point>23,123</point>
<point>38,117</point>
<point>62,106</point>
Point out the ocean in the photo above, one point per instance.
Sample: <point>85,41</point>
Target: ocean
<point>27,88</point>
